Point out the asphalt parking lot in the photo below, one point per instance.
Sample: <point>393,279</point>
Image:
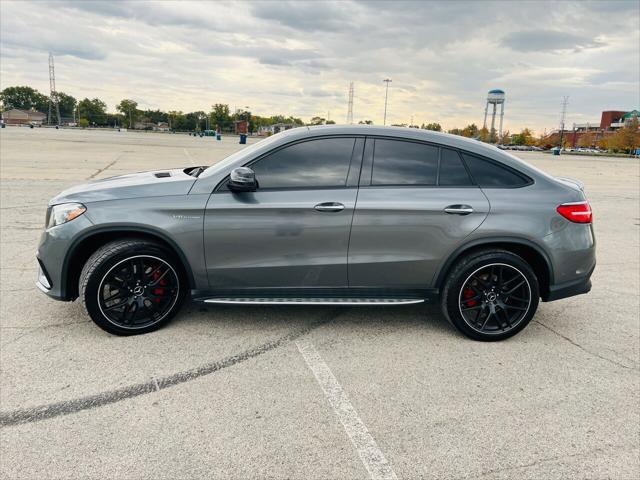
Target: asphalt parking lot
<point>309,392</point>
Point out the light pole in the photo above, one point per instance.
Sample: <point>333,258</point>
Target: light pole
<point>386,95</point>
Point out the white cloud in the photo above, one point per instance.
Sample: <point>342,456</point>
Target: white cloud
<point>298,57</point>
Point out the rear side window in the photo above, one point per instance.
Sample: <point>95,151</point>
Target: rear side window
<point>396,162</point>
<point>489,174</point>
<point>313,164</point>
<point>452,171</point>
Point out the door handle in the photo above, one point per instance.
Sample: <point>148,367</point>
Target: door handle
<point>459,209</point>
<point>329,207</point>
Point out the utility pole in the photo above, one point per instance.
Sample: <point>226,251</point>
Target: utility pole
<point>53,94</point>
<point>563,114</point>
<point>350,106</point>
<point>386,95</point>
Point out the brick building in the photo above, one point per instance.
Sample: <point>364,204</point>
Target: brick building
<point>610,122</point>
<point>16,116</point>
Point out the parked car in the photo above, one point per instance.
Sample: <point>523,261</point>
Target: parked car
<point>332,215</point>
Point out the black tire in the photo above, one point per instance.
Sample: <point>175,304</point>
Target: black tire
<point>140,272</point>
<point>485,295</point>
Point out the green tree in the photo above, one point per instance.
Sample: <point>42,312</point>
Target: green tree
<point>176,120</point>
<point>155,116</point>
<point>83,123</point>
<point>436,127</point>
<point>317,121</point>
<point>67,104</point>
<point>329,122</point>
<point>95,111</point>
<point>24,98</point>
<point>525,137</point>
<point>128,108</point>
<point>220,116</point>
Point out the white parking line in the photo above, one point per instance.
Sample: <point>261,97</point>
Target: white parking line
<point>373,459</point>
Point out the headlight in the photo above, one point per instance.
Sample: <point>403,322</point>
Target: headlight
<point>65,212</point>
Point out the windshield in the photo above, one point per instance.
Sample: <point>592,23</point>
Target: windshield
<point>239,154</point>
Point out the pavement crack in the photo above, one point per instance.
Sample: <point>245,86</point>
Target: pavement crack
<point>594,354</point>
<point>52,410</point>
<point>541,461</point>
<point>98,172</point>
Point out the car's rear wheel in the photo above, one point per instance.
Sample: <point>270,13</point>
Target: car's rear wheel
<point>490,295</point>
<point>130,287</point>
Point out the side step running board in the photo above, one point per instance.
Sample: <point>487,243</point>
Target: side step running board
<point>315,301</point>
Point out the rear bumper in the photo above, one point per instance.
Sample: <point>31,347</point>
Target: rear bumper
<point>569,289</point>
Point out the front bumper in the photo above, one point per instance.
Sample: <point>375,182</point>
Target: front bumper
<point>52,256</point>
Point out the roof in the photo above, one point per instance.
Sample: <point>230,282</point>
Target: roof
<point>219,170</point>
<point>496,90</point>
<point>26,112</point>
<point>631,114</point>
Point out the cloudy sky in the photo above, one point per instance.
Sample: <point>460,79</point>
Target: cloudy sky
<point>297,58</point>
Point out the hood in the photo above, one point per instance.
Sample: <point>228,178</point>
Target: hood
<point>136,185</point>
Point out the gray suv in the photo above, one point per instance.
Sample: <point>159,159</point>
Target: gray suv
<point>335,215</point>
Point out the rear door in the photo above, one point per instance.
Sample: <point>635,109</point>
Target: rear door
<point>415,203</point>
<point>293,232</point>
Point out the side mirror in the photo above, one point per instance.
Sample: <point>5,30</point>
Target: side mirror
<point>242,179</point>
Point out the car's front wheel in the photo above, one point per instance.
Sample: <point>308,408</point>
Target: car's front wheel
<point>490,295</point>
<point>130,287</point>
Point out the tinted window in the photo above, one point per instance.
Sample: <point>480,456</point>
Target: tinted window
<point>489,174</point>
<point>452,171</point>
<point>316,163</point>
<point>404,163</point>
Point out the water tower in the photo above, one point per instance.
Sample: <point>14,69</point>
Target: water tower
<point>495,97</point>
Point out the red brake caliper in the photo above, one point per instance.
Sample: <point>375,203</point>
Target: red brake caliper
<point>158,291</point>
<point>469,293</point>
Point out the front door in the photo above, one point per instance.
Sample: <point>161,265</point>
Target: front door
<point>416,203</point>
<point>293,232</point>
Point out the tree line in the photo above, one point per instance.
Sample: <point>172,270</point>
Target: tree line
<point>93,112</point>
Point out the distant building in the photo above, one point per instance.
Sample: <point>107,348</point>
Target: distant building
<point>276,128</point>
<point>156,127</point>
<point>610,122</point>
<point>23,117</point>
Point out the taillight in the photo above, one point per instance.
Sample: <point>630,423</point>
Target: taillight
<point>578,212</point>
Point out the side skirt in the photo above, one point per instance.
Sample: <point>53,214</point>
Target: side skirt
<point>315,301</point>
<point>316,296</point>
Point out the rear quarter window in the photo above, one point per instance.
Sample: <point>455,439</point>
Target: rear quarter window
<point>490,174</point>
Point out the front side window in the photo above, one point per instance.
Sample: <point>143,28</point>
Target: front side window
<point>312,164</point>
<point>396,162</point>
<point>491,175</point>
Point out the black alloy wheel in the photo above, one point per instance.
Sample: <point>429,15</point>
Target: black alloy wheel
<point>495,298</point>
<point>132,286</point>
<point>490,294</point>
<point>138,292</point>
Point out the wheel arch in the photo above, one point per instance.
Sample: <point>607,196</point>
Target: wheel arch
<point>532,253</point>
<point>82,248</point>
